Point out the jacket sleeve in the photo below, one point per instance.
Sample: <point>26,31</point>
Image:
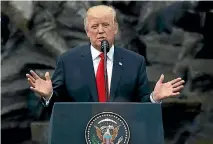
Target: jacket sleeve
<point>59,90</point>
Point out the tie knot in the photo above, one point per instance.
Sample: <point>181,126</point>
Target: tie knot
<point>102,55</point>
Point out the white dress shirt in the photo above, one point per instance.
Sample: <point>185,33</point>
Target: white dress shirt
<point>96,59</point>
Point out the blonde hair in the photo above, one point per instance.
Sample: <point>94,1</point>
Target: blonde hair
<point>109,8</point>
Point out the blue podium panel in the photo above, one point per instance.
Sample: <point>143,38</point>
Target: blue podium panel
<point>106,123</point>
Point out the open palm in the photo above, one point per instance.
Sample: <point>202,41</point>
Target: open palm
<point>40,86</point>
<point>168,89</point>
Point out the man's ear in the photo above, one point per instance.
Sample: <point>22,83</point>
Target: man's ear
<point>87,32</point>
<point>116,28</point>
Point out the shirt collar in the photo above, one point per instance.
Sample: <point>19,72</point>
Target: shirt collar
<point>95,53</point>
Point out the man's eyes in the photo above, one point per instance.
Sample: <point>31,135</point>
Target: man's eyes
<point>105,24</point>
<point>94,26</point>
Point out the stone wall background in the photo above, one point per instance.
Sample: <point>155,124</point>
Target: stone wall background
<point>178,37</point>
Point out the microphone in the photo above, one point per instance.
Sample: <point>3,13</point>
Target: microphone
<point>105,50</point>
<point>104,46</point>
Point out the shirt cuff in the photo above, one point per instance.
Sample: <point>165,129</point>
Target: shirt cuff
<point>47,101</point>
<point>152,100</point>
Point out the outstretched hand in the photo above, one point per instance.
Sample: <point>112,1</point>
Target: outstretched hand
<point>168,89</point>
<point>42,87</point>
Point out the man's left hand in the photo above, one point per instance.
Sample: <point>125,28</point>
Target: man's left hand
<point>168,89</point>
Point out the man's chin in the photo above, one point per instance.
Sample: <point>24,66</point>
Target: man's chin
<point>98,44</point>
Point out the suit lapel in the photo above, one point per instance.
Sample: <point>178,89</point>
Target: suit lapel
<point>88,70</point>
<point>116,72</point>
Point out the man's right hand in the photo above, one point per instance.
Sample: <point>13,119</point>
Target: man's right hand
<point>40,86</point>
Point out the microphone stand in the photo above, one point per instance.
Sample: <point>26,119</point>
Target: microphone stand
<point>106,75</point>
<point>105,49</point>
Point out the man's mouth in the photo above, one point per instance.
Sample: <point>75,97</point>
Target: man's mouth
<point>101,38</point>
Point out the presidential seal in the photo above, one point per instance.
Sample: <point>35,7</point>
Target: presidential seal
<point>107,128</point>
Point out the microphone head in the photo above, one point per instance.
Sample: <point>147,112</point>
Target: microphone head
<point>104,45</point>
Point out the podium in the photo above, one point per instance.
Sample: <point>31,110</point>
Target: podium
<point>106,123</point>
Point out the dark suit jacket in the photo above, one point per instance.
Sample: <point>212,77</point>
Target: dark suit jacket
<point>74,77</point>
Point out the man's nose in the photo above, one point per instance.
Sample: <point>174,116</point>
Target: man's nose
<point>100,29</point>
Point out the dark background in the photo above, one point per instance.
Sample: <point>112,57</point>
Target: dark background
<point>178,41</point>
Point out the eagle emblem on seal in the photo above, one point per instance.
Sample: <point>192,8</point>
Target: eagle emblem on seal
<point>107,128</point>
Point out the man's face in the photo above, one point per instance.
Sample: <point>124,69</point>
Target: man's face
<point>101,27</point>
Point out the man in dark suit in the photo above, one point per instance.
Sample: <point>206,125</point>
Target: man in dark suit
<point>79,75</point>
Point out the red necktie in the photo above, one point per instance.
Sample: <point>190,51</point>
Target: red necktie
<point>100,80</point>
